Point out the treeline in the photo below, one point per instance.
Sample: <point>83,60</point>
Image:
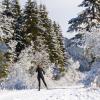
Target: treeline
<point>30,26</point>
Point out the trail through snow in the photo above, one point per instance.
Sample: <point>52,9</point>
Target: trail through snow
<point>63,93</point>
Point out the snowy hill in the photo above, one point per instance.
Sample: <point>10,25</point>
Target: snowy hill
<point>63,93</point>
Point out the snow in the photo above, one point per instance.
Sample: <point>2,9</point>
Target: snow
<point>61,93</point>
<point>92,44</point>
<point>82,51</point>
<point>88,55</point>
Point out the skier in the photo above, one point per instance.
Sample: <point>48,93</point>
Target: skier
<point>40,76</point>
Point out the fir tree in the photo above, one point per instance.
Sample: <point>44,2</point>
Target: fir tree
<point>47,24</point>
<point>6,30</point>
<point>17,26</point>
<point>60,50</point>
<point>31,23</point>
<point>51,38</point>
<point>88,18</point>
<point>6,20</point>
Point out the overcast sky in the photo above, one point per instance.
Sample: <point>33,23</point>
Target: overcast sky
<point>61,11</point>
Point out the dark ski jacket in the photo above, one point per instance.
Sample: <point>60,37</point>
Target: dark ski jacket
<point>40,72</point>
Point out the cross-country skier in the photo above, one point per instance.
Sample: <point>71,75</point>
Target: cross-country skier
<point>40,76</point>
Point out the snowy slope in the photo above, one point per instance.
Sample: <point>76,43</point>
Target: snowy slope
<point>66,93</point>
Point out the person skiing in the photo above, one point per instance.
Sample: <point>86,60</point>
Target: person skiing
<point>40,76</point>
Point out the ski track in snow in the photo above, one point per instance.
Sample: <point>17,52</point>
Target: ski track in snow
<point>67,93</point>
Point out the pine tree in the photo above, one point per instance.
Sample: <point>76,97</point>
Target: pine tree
<point>88,18</point>
<point>17,26</point>
<point>60,50</point>
<point>52,37</point>
<point>6,30</point>
<point>6,20</point>
<point>47,24</point>
<point>31,23</point>
<point>51,43</point>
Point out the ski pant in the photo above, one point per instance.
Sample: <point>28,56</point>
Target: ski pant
<point>39,81</point>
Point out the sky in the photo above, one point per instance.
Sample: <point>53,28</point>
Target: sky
<point>61,11</point>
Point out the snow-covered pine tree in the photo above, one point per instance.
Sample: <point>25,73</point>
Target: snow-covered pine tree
<point>6,20</point>
<point>17,27</point>
<point>31,23</point>
<point>44,23</point>
<point>51,41</point>
<point>88,18</point>
<point>60,50</point>
<point>47,24</point>
<point>6,25</point>
<point>6,32</point>
<point>88,23</point>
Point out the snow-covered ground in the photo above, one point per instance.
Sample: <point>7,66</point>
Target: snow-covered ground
<point>63,93</point>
